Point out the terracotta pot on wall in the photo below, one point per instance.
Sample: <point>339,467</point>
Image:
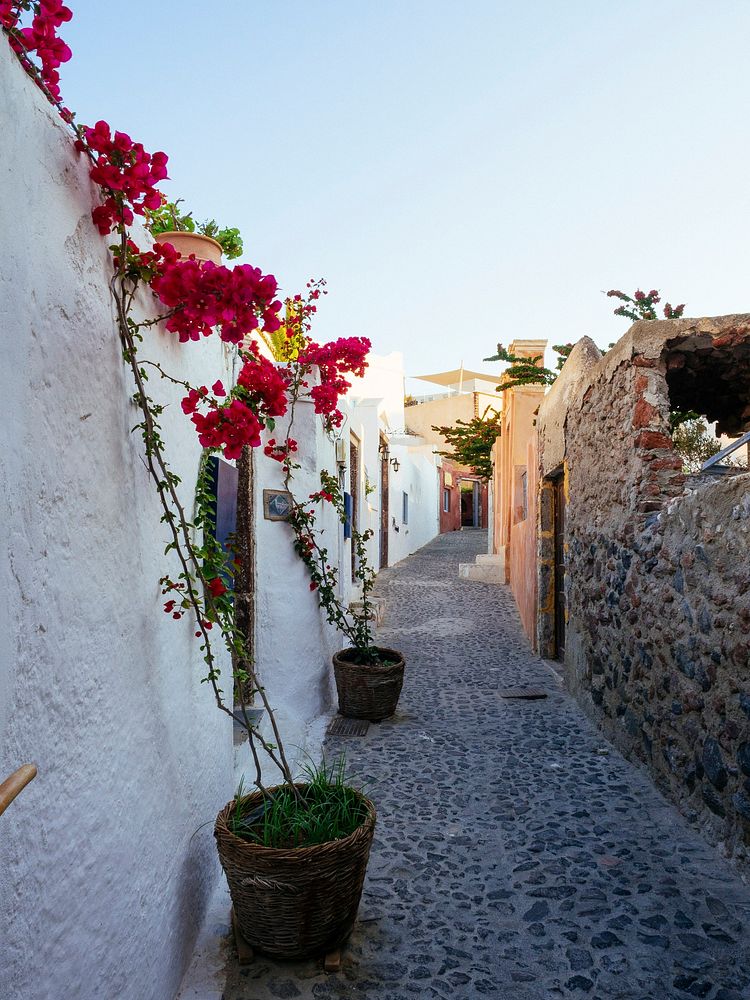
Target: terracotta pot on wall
<point>368,691</point>
<point>186,244</point>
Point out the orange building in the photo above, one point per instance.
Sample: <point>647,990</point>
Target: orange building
<point>514,489</point>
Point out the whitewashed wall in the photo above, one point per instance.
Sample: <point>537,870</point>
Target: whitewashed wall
<point>105,861</point>
<point>365,421</point>
<point>418,477</point>
<point>104,869</point>
<point>384,381</point>
<point>377,404</point>
<point>294,643</point>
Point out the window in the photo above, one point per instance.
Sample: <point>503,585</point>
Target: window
<point>446,501</point>
<point>405,510</point>
<point>222,522</point>
<point>524,495</point>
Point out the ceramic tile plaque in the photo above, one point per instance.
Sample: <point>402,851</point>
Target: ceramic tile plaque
<point>277,505</point>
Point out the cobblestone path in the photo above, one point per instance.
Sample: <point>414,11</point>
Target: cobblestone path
<point>516,855</point>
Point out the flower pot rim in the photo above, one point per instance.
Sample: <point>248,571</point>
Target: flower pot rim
<point>269,852</point>
<point>161,237</point>
<point>339,660</point>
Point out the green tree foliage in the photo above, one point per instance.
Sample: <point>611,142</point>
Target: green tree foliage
<point>528,371</point>
<point>471,442</point>
<point>170,218</point>
<point>694,443</point>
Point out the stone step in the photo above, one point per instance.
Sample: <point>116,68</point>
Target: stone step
<point>482,573</point>
<point>487,559</point>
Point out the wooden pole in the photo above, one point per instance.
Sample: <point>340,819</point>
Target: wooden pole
<point>15,784</point>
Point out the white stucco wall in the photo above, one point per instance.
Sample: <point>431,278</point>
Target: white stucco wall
<point>104,866</point>
<point>377,402</point>
<point>418,477</point>
<point>107,859</point>
<point>294,643</point>
<point>366,418</point>
<point>384,380</point>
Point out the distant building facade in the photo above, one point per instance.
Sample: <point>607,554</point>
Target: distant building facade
<point>459,394</point>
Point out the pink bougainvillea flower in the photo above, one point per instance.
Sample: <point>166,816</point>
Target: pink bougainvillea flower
<point>126,173</point>
<point>204,296</point>
<point>191,402</point>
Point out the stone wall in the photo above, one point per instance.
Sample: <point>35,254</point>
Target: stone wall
<point>657,575</point>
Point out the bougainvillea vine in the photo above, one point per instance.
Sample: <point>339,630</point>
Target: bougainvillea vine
<point>201,298</point>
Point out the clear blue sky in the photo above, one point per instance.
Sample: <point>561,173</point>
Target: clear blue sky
<point>461,173</point>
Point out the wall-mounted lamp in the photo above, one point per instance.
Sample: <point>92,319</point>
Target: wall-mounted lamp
<point>383,449</point>
<point>395,464</point>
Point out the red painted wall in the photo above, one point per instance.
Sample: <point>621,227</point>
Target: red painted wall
<point>451,520</point>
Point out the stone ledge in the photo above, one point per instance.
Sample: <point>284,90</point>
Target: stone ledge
<point>480,573</point>
<point>377,609</point>
<point>487,559</point>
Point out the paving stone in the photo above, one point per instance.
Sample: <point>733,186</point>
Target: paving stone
<point>579,959</point>
<point>579,983</point>
<point>516,854</point>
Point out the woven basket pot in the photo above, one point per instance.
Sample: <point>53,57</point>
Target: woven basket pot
<point>368,691</point>
<point>295,902</point>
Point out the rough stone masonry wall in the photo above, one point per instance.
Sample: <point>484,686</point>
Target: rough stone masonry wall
<point>658,583</point>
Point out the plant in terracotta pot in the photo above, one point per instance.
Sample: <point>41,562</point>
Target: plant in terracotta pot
<point>204,240</point>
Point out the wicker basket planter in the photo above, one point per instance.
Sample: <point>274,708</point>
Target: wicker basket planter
<point>368,691</point>
<point>295,902</point>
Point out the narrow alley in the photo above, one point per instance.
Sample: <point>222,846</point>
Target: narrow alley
<point>517,854</point>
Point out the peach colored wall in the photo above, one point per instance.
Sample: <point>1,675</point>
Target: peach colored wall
<point>514,453</point>
<point>494,486</point>
<point>523,548</point>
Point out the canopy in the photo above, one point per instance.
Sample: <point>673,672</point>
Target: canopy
<point>458,375</point>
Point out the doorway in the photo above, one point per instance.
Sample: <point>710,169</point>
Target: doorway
<point>470,504</point>
<point>558,494</point>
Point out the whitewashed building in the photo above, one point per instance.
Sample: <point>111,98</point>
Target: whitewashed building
<point>107,859</point>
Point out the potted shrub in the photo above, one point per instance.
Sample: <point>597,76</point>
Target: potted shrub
<point>295,858</point>
<point>369,678</point>
<point>203,240</point>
